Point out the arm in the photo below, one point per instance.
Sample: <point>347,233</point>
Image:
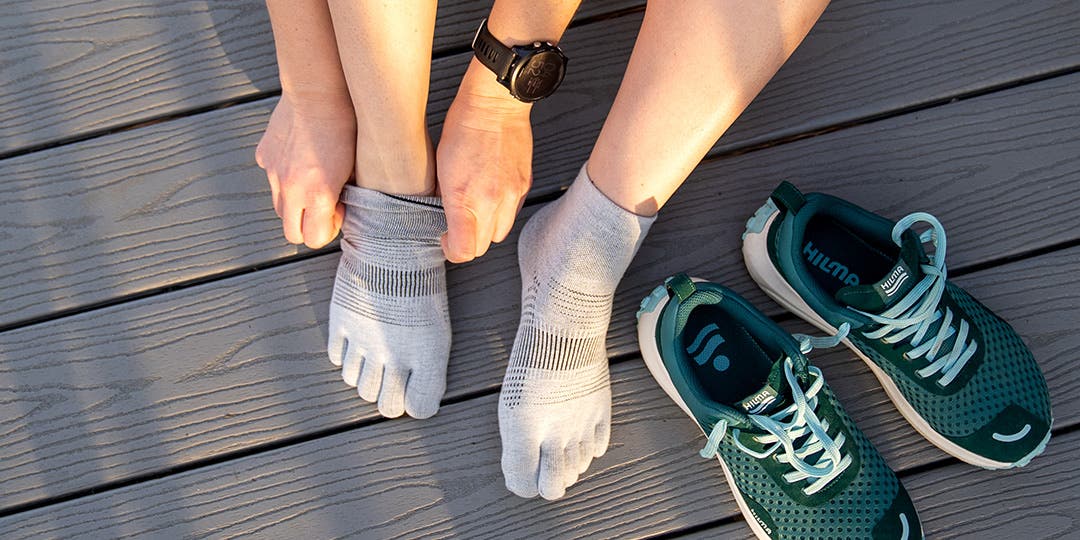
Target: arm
<point>485,152</point>
<point>309,144</point>
<point>385,52</point>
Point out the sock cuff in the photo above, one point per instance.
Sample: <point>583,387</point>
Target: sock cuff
<point>377,214</point>
<point>583,196</point>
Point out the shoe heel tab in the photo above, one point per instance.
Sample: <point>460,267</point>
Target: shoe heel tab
<point>681,286</point>
<point>788,197</point>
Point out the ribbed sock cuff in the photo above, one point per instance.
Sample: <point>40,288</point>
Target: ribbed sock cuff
<point>374,213</point>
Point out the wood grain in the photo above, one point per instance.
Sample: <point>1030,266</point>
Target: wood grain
<point>229,365</point>
<point>79,68</point>
<point>73,67</point>
<point>441,477</point>
<point>179,201</point>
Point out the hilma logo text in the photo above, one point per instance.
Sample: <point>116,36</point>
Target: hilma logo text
<point>831,267</point>
<point>897,278</point>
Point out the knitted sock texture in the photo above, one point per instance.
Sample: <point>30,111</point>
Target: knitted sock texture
<point>555,404</point>
<point>389,325</point>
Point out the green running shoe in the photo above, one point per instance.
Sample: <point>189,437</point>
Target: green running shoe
<point>957,372</point>
<point>796,463</point>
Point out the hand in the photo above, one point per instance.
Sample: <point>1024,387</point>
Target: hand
<point>308,152</point>
<point>484,163</point>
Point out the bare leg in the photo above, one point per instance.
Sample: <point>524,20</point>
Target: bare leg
<point>385,50</point>
<point>696,65</point>
<point>389,327</point>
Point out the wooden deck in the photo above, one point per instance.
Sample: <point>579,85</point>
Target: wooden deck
<point>162,362</point>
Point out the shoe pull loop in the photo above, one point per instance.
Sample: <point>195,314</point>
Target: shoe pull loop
<point>788,197</point>
<point>681,286</point>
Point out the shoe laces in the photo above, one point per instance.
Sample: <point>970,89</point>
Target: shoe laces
<point>797,422</point>
<point>914,315</point>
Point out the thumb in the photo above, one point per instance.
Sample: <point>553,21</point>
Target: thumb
<point>459,242</point>
<point>318,227</point>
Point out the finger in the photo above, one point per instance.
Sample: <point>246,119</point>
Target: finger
<point>275,191</point>
<point>459,243</point>
<point>339,219</point>
<point>261,151</point>
<point>485,229</point>
<point>504,218</point>
<point>317,227</point>
<point>292,215</point>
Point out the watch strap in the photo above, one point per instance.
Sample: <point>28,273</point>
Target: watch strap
<point>492,53</point>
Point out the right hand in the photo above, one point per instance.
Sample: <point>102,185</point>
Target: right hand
<point>308,152</point>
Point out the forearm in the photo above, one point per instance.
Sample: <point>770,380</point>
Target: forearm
<point>307,55</point>
<point>516,22</point>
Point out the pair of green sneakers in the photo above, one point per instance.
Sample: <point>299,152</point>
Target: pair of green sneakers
<point>796,463</point>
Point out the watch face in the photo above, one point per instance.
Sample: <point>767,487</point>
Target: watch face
<point>538,75</point>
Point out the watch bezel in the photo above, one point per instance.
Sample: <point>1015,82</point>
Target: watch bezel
<point>524,53</point>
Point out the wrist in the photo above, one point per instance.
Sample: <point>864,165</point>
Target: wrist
<point>319,103</point>
<point>480,89</point>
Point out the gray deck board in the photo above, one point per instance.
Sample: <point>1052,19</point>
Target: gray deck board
<point>179,201</point>
<point>959,501</point>
<point>156,408</point>
<point>224,366</point>
<point>111,63</point>
<point>441,476</point>
<point>144,60</point>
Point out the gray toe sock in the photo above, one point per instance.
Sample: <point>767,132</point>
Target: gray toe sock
<point>389,326</point>
<point>555,405</point>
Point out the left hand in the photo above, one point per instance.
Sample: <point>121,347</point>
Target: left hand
<point>484,163</point>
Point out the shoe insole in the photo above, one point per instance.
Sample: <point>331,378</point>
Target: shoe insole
<point>726,360</point>
<point>837,257</point>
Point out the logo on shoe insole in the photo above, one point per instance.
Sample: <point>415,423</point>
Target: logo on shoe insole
<point>705,344</point>
<point>897,278</point>
<point>819,259</point>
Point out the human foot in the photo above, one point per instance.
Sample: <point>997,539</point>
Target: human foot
<point>555,405</point>
<point>389,326</point>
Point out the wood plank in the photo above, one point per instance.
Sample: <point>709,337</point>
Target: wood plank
<point>863,58</point>
<point>202,372</point>
<point>177,201</point>
<point>252,346</point>
<point>958,501</point>
<point>441,477</point>
<point>155,381</point>
<point>112,62</point>
<point>148,208</point>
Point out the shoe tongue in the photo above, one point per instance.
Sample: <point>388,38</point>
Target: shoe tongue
<point>769,398</point>
<point>901,278</point>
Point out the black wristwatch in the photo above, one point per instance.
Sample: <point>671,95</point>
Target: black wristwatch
<point>531,72</point>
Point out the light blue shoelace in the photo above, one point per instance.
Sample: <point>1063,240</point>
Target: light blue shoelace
<point>916,313</point>
<point>787,425</point>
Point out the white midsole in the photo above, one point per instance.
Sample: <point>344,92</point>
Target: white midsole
<point>756,255</point>
<point>650,351</point>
